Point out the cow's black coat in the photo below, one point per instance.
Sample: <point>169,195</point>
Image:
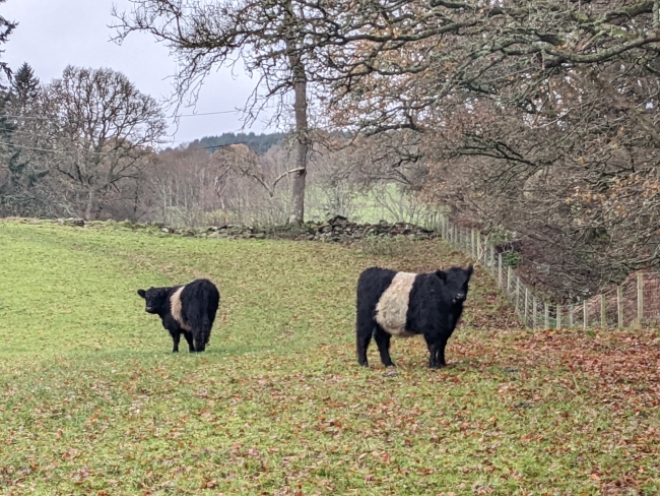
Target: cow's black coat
<point>189,310</point>
<point>435,304</point>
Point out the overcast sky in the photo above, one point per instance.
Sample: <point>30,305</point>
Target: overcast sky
<point>55,33</point>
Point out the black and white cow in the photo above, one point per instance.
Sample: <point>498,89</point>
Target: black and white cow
<point>405,304</point>
<point>189,310</point>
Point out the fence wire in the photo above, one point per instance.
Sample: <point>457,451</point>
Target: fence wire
<point>633,303</point>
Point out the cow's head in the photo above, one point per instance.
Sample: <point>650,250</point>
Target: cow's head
<point>155,299</point>
<point>456,282</point>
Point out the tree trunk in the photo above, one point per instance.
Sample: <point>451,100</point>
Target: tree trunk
<point>89,212</point>
<point>302,136</point>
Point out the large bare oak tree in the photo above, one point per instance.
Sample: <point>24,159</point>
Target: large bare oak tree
<point>273,40</point>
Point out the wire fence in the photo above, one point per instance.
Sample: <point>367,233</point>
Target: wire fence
<point>634,303</point>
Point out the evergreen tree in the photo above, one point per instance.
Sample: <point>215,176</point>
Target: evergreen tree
<point>17,176</point>
<point>6,27</point>
<point>9,156</point>
<point>25,87</point>
<point>259,143</point>
<point>7,127</point>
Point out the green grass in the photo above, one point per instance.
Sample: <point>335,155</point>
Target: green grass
<point>369,206</point>
<point>93,402</point>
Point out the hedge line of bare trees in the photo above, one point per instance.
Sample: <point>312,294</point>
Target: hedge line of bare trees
<point>82,146</point>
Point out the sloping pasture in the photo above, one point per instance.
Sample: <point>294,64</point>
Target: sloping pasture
<point>93,402</point>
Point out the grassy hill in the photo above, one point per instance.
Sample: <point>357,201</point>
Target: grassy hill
<point>93,402</point>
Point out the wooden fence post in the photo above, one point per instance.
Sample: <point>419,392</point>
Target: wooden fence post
<point>570,316</point>
<point>499,270</point>
<point>547,315</point>
<point>518,295</point>
<point>585,312</point>
<point>603,310</point>
<point>473,242</point>
<point>640,298</point>
<point>492,259</point>
<point>619,306</point>
<point>526,301</point>
<point>534,313</point>
<point>478,249</point>
<point>558,317</point>
<point>509,274</point>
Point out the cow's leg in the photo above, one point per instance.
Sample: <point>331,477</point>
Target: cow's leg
<point>189,338</point>
<point>364,328</point>
<point>383,341</point>
<point>364,331</point>
<point>434,344</point>
<point>200,340</point>
<point>176,337</point>
<point>441,353</point>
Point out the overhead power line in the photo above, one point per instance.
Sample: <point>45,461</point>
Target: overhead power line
<point>209,113</point>
<point>37,149</point>
<point>44,118</point>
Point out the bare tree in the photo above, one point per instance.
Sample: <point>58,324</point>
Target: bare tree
<point>178,180</point>
<point>100,127</point>
<point>242,161</point>
<point>255,192</point>
<point>270,38</point>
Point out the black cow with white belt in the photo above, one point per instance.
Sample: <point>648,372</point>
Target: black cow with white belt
<point>404,304</point>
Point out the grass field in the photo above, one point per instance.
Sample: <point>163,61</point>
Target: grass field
<point>384,202</point>
<point>93,402</point>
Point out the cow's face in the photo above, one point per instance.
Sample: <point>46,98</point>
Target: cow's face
<point>456,282</point>
<point>155,299</point>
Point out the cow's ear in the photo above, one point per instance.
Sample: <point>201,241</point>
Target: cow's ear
<point>469,270</point>
<point>442,275</point>
<point>141,292</point>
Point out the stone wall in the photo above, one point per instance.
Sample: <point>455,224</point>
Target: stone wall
<point>337,229</point>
